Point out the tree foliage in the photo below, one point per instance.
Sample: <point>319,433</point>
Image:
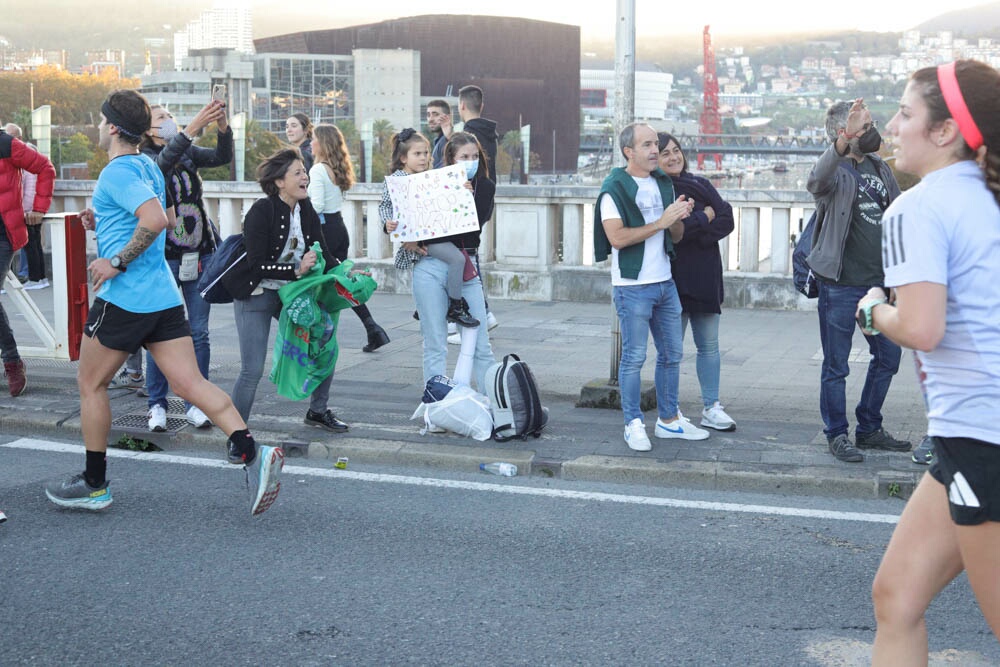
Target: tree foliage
<point>75,98</point>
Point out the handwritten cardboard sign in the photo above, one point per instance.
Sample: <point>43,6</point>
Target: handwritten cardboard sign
<point>432,204</point>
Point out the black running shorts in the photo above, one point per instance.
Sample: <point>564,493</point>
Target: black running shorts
<point>126,331</point>
<point>970,472</point>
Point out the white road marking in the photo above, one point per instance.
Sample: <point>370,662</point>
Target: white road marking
<point>58,447</point>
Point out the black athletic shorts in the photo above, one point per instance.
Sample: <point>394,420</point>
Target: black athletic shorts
<point>970,471</point>
<point>126,331</point>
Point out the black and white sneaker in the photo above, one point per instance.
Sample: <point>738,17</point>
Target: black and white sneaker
<point>924,453</point>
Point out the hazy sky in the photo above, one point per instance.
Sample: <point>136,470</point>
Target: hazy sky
<point>655,17</point>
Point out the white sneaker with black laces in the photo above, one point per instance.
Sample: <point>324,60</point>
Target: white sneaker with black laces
<point>157,419</point>
<point>197,418</point>
<point>680,428</point>
<point>635,436</point>
<point>715,417</point>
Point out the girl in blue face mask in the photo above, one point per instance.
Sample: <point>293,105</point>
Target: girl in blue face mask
<point>464,148</point>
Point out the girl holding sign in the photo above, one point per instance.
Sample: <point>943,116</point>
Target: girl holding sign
<point>411,155</point>
<point>410,151</point>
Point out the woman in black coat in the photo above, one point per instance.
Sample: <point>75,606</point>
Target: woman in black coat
<point>697,271</point>
<point>278,232</point>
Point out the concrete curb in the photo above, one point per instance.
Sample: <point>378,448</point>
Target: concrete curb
<point>723,476</point>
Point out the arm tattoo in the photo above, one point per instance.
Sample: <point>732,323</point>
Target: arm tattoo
<point>141,239</point>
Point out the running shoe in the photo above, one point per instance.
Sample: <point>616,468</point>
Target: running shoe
<point>263,478</point>
<point>75,493</point>
<point>197,418</point>
<point>157,419</point>
<point>924,453</point>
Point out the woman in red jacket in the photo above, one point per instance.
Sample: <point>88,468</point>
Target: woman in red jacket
<point>15,156</point>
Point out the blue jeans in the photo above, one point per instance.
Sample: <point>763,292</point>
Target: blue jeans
<point>837,307</point>
<point>430,294</point>
<point>705,331</point>
<point>197,314</point>
<point>8,346</point>
<point>643,309</point>
<point>253,328</point>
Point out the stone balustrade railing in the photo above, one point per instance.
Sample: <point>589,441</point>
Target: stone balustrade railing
<point>539,245</point>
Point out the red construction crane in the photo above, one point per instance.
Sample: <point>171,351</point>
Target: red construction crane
<point>709,123</point>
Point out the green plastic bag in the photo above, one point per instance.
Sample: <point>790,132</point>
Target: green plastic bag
<point>305,349</point>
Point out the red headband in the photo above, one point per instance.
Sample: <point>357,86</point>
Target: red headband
<point>952,95</point>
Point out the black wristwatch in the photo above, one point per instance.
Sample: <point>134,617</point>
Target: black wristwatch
<point>117,263</point>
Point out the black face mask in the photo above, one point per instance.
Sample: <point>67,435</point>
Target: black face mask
<point>870,141</point>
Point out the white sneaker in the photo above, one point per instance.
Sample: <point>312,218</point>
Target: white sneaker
<point>37,284</point>
<point>715,417</point>
<point>679,428</point>
<point>197,418</point>
<point>157,419</point>
<point>452,328</point>
<point>491,322</point>
<point>455,339</point>
<point>636,438</point>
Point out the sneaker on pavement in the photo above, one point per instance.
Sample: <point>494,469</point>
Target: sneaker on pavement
<point>842,448</point>
<point>37,284</point>
<point>75,493</point>
<point>635,436</point>
<point>326,420</point>
<point>455,339</point>
<point>3,517</point>
<point>679,428</point>
<point>881,440</point>
<point>17,381</point>
<point>715,417</point>
<point>452,328</point>
<point>197,418</point>
<point>126,380</point>
<point>157,419</point>
<point>491,321</point>
<point>264,478</point>
<point>924,453</point>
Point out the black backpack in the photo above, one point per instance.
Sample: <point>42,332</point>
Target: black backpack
<point>802,276</point>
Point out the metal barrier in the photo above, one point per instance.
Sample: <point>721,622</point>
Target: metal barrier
<point>60,338</point>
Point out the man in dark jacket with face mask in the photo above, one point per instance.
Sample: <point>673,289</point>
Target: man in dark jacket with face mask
<point>852,186</point>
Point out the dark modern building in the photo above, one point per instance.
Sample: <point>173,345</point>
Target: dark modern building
<point>529,70</point>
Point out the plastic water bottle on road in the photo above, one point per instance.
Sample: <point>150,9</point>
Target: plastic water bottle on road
<point>500,468</point>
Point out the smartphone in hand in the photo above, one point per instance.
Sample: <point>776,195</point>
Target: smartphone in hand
<point>219,93</point>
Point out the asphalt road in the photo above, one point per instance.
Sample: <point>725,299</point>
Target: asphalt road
<point>378,567</point>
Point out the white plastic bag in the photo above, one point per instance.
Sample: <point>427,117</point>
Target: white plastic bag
<point>463,411</point>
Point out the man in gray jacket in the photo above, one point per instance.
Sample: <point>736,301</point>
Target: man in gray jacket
<point>852,186</point>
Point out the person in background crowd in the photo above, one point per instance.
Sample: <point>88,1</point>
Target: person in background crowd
<point>299,131</point>
<point>637,220</point>
<point>940,241</point>
<point>192,238</point>
<point>697,271</point>
<point>852,187</point>
<point>330,177</point>
<point>411,155</point>
<point>440,124</point>
<point>15,156</point>
<point>33,254</point>
<point>278,231</point>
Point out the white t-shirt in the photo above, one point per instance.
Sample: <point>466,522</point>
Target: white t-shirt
<point>655,262</point>
<point>946,230</point>
<point>295,247</point>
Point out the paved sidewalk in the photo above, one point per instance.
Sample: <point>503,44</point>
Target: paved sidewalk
<point>770,384</point>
